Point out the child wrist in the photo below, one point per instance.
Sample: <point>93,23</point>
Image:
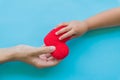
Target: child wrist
<point>87,25</point>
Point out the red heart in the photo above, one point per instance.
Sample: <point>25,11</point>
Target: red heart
<point>51,39</point>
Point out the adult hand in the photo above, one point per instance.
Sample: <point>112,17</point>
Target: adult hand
<point>39,57</point>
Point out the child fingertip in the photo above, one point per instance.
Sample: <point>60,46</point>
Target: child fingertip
<point>56,33</point>
<point>60,38</point>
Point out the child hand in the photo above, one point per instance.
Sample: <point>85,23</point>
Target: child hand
<point>73,29</point>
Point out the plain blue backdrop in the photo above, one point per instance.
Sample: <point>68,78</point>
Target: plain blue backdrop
<point>94,56</point>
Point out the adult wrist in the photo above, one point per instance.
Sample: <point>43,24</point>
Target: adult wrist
<point>7,54</point>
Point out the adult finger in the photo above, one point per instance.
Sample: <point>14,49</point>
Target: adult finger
<point>43,50</point>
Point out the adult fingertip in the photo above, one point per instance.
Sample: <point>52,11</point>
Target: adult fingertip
<point>52,48</point>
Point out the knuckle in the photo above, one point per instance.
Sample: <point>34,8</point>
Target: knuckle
<point>66,29</point>
<point>73,30</point>
<point>44,49</point>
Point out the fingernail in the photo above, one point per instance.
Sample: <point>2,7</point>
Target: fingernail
<point>60,39</point>
<point>56,33</point>
<point>52,48</point>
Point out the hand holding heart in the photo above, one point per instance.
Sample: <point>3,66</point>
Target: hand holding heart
<point>52,39</point>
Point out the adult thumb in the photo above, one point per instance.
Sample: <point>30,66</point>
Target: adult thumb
<point>45,49</point>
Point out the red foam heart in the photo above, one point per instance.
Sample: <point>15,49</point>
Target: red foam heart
<point>51,39</point>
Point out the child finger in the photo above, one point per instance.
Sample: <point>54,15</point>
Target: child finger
<point>66,35</point>
<point>62,24</point>
<point>66,29</point>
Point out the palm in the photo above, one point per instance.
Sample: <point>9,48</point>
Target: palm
<point>44,60</point>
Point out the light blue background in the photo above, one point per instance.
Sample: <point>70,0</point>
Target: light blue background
<point>94,56</point>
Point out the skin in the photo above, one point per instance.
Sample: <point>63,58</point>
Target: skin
<point>39,57</point>
<point>105,19</point>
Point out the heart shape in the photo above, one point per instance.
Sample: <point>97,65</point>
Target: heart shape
<point>51,39</point>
